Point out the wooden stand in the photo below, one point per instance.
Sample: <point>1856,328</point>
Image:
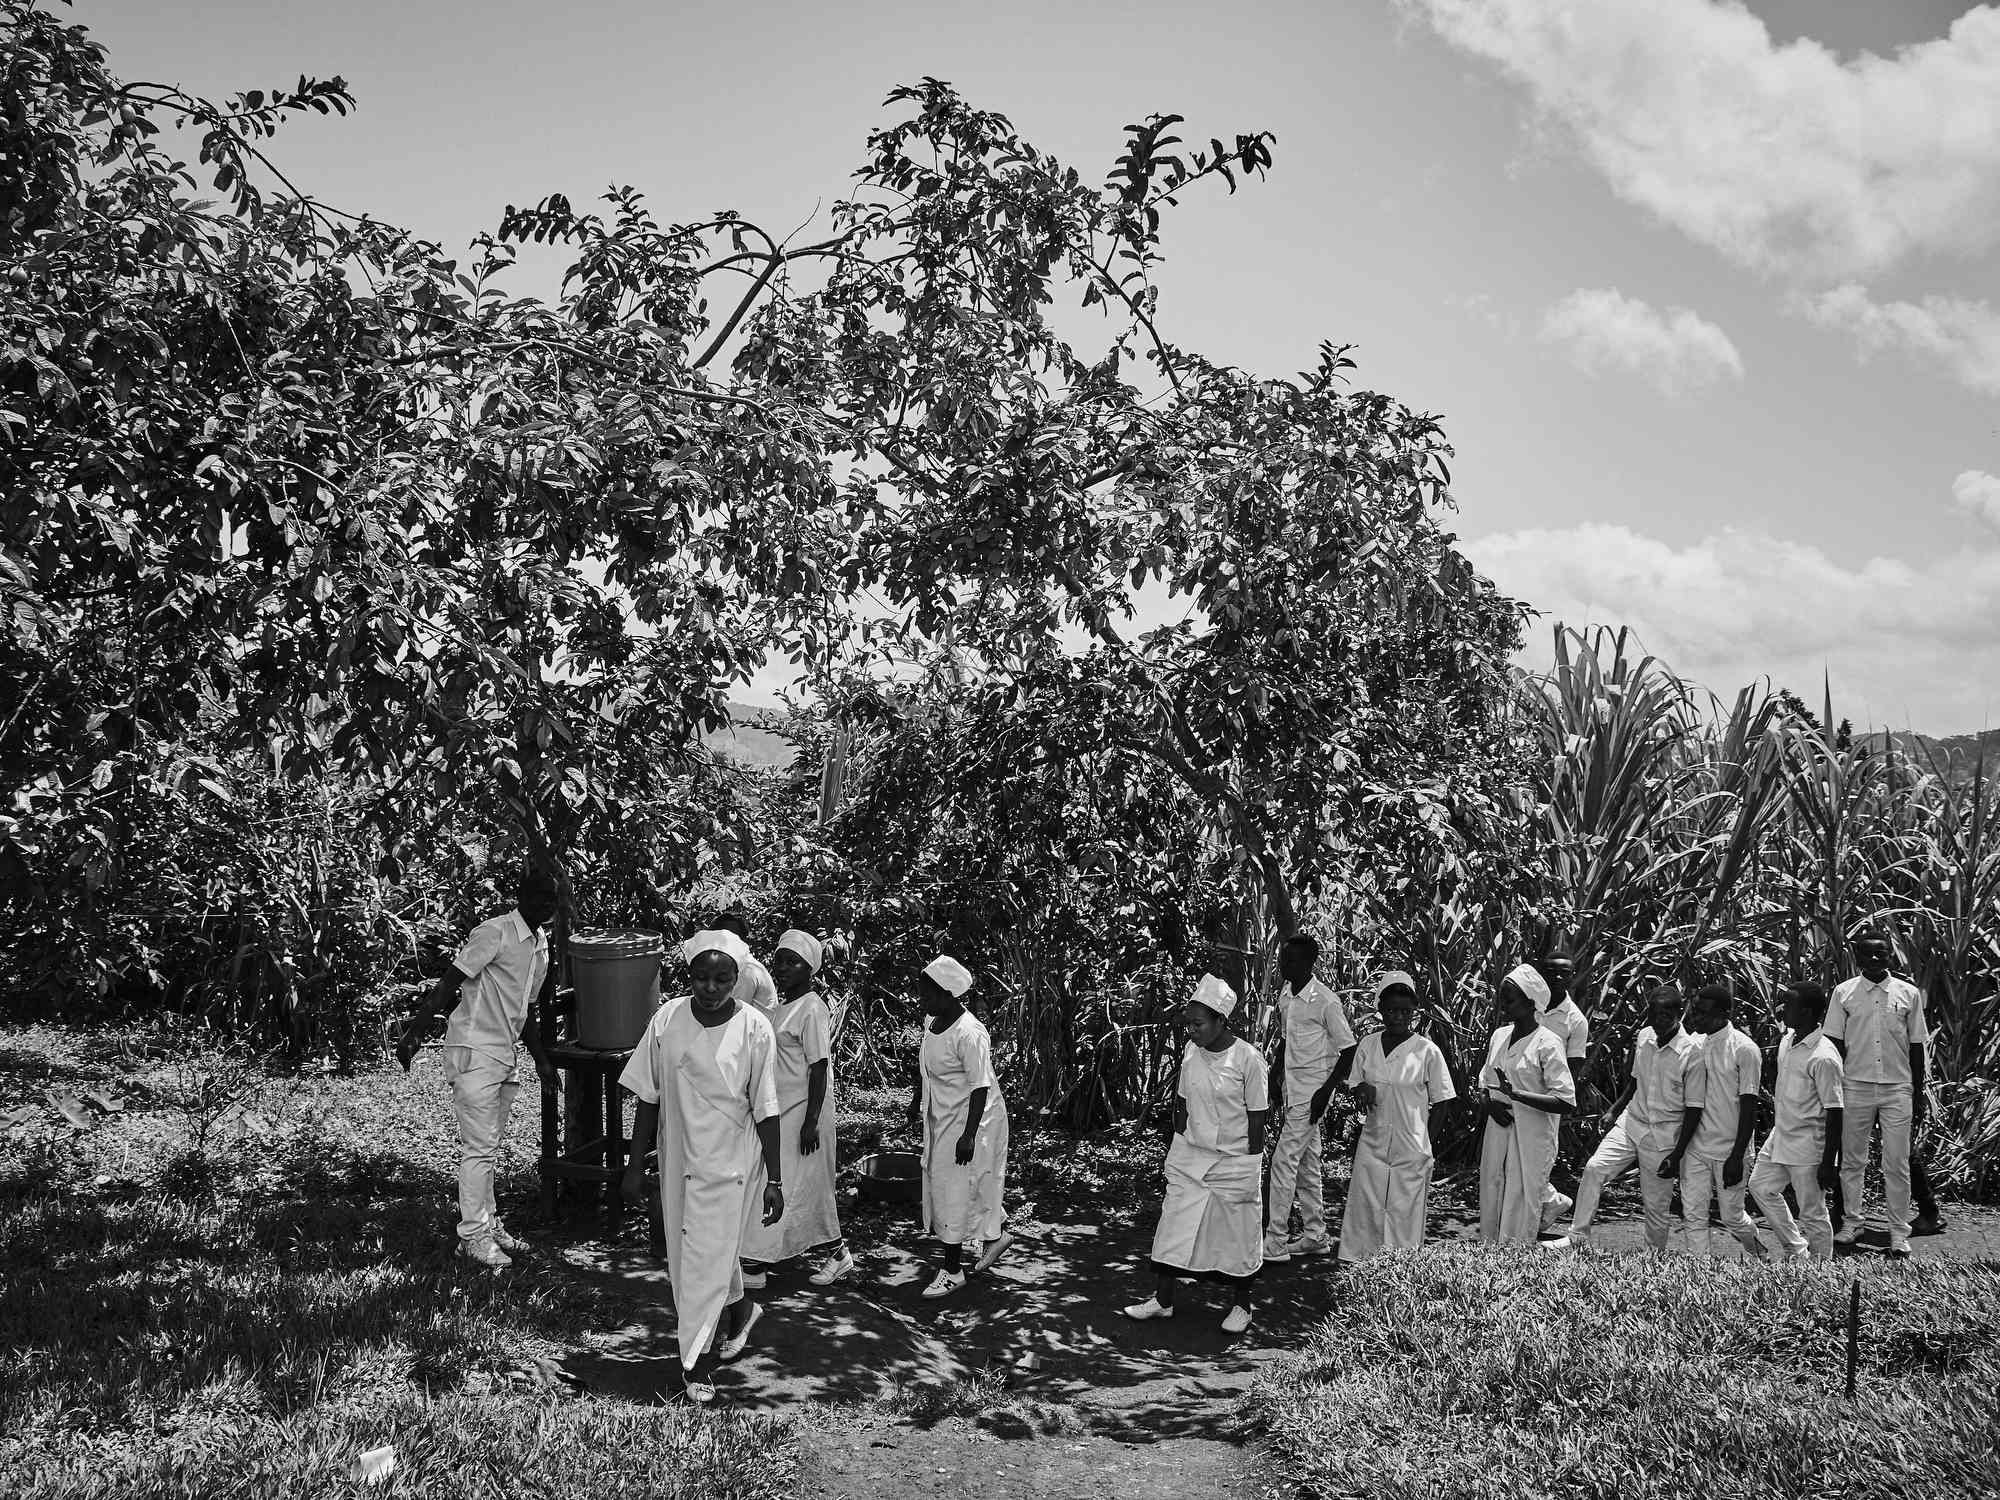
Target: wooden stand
<point>597,1112</point>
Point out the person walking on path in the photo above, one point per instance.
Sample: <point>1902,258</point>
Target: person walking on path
<point>490,990</point>
<point>705,1076</point>
<point>964,1128</point>
<point>1726,1083</point>
<point>1877,1021</point>
<point>1525,1090</point>
<point>1316,1049</point>
<point>1803,1150</point>
<point>1563,1016</point>
<point>1399,1078</point>
<point>1649,1125</point>
<point>1210,1225</point>
<point>806,1136</point>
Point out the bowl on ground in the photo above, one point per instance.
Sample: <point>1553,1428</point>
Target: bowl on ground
<point>890,1177</point>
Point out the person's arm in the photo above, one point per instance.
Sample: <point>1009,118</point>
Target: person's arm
<point>645,1122</point>
<point>1257,1118</point>
<point>975,1108</point>
<point>1829,1160</point>
<point>1920,1104</point>
<point>774,1187</point>
<point>1548,1104</point>
<point>1610,1116</point>
<point>531,1038</point>
<point>816,1040</point>
<point>1180,1115</point>
<point>1746,1127</point>
<point>1690,1123</point>
<point>815,1098</point>
<point>440,1000</point>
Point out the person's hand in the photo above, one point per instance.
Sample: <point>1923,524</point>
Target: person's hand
<point>963,1155</point>
<point>1364,1095</point>
<point>1829,1176</point>
<point>1499,1111</point>
<point>774,1202</point>
<point>408,1043</point>
<point>1316,1111</point>
<point>550,1076</point>
<point>1606,1120</point>
<point>1505,1084</point>
<point>809,1135</point>
<point>1670,1166</point>
<point>1732,1171</point>
<point>633,1184</point>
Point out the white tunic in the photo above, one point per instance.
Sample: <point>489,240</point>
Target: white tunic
<point>812,1217</point>
<point>712,1084</point>
<point>1514,1160</point>
<point>1212,1219</point>
<point>962,1203</point>
<point>1391,1180</point>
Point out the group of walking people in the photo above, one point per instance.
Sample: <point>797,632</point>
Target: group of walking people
<point>734,1089</point>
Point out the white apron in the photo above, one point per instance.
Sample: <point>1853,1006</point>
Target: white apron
<point>962,1203</point>
<point>812,1217</point>
<point>1212,1220</point>
<point>1391,1180</point>
<point>712,1083</point>
<point>1515,1160</point>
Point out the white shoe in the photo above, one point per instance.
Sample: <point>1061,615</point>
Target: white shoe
<point>508,1242</point>
<point>995,1248</point>
<point>700,1392</point>
<point>1305,1249</point>
<point>485,1253</point>
<point>1237,1321</point>
<point>1848,1233</point>
<point>947,1282</point>
<point>834,1268</point>
<point>1567,1242</point>
<point>755,1280</point>
<point>1276,1250</point>
<point>733,1345</point>
<point>1151,1308</point>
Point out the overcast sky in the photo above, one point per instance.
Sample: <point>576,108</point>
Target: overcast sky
<point>1706,294</point>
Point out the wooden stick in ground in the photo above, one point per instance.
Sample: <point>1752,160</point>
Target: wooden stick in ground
<point>1853,1335</point>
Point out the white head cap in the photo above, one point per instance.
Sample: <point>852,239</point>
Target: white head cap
<point>1216,995</point>
<point>1528,979</point>
<point>808,947</point>
<point>950,975</point>
<point>716,940</point>
<point>1394,979</point>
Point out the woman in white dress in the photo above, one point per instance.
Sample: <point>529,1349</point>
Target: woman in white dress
<point>806,1121</point>
<point>1212,1222</point>
<point>1398,1078</point>
<point>1528,1089</point>
<point>964,1126</point>
<point>704,1074</point>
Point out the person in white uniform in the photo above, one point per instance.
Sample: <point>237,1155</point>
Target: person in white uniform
<point>1526,1090</point>
<point>1315,1046</point>
<point>1803,1150</point>
<point>705,1076</point>
<point>754,985</point>
<point>1878,1023</point>
<point>964,1128</point>
<point>1648,1126</point>
<point>1726,1083</point>
<point>491,990</point>
<point>1210,1222</point>
<point>806,1136</point>
<point>1563,1016</point>
<point>1398,1078</point>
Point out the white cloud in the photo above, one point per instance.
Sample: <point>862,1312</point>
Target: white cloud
<point>1978,495</point>
<point>1961,335</point>
<point>1906,646</point>
<point>1783,159</point>
<point>1677,351</point>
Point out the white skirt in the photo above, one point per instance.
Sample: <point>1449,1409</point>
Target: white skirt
<point>1212,1220</point>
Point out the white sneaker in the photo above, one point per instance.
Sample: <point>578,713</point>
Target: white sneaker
<point>1848,1233</point>
<point>508,1242</point>
<point>1237,1321</point>
<point>995,1248</point>
<point>733,1345</point>
<point>1304,1249</point>
<point>485,1253</point>
<point>834,1268</point>
<point>947,1282</point>
<point>1151,1308</point>
<point>1276,1250</point>
<point>755,1280</point>
<point>1567,1242</point>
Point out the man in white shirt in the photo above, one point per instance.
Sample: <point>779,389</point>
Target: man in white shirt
<point>1878,1023</point>
<point>1648,1126</point>
<point>1566,1021</point>
<point>1803,1151</point>
<point>1317,1049</point>
<point>1726,1081</point>
<point>490,990</point>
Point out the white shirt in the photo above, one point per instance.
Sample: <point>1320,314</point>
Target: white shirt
<point>1879,1023</point>
<point>505,960</point>
<point>1809,1084</point>
<point>1316,1033</point>
<point>1408,1082</point>
<point>755,987</point>
<point>1571,1026</point>
<point>803,1039</point>
<point>1535,1064</point>
<point>1726,1067</point>
<point>1222,1090</point>
<point>955,1062</point>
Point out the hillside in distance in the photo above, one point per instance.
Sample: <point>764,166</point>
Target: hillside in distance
<point>749,740</point>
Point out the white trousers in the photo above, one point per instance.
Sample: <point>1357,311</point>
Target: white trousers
<point>1297,1173</point>
<point>1767,1186</point>
<point>1891,1104</point>
<point>1617,1153</point>
<point>482,1094</point>
<point>1701,1184</point>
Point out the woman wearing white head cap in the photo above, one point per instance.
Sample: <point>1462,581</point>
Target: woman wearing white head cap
<point>705,1077</point>
<point>1212,1222</point>
<point>1398,1079</point>
<point>965,1128</point>
<point>1527,1088</point>
<point>805,1128</point>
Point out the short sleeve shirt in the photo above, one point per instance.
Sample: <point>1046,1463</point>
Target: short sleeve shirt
<point>1809,1084</point>
<point>1535,1064</point>
<point>1726,1067</point>
<point>505,960</point>
<point>1316,1033</point>
<point>1660,1098</point>
<point>803,1039</point>
<point>1222,1090</point>
<point>1571,1027</point>
<point>1879,1023</point>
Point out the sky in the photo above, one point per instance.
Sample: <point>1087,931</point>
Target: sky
<point>1707,295</point>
